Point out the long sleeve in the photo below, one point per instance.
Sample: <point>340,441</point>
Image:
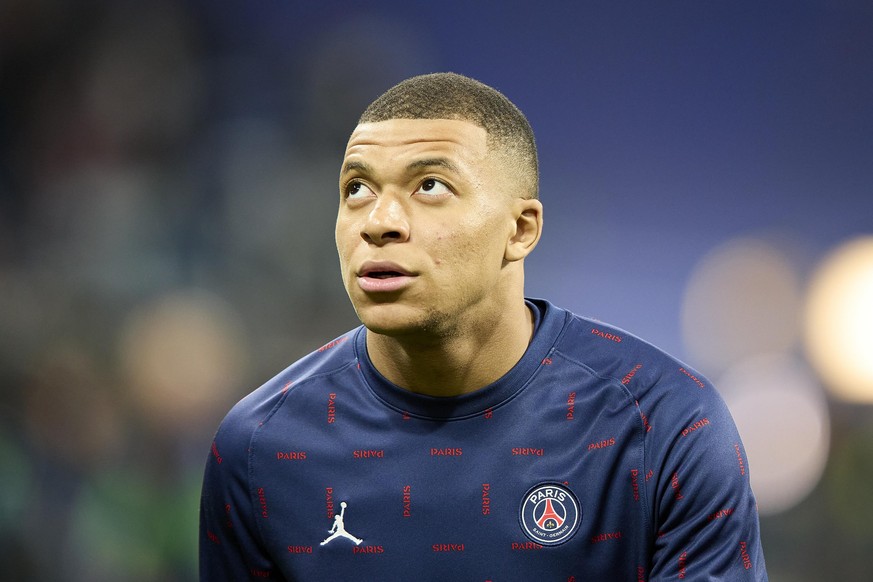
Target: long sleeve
<point>705,513</point>
<point>230,546</point>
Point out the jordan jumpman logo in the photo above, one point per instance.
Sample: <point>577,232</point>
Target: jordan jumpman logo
<point>339,528</point>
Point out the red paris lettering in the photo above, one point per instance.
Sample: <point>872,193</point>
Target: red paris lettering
<point>697,380</point>
<point>331,408</point>
<point>674,483</point>
<point>215,453</point>
<point>332,344</point>
<point>605,335</point>
<point>262,499</point>
<point>614,535</point>
<point>369,454</point>
<point>407,501</point>
<point>627,377</point>
<point>451,452</point>
<point>740,459</point>
<point>747,561</point>
<point>696,426</point>
<point>602,444</point>
<point>525,546</point>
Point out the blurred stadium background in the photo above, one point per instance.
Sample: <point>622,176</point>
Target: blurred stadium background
<point>167,192</point>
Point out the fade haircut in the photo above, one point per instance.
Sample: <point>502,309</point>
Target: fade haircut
<point>453,96</point>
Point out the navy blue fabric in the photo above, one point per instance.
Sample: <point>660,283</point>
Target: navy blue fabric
<point>330,472</point>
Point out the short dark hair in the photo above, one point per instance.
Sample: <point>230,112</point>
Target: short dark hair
<point>454,96</point>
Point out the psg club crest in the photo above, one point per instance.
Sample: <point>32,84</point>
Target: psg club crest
<point>550,514</point>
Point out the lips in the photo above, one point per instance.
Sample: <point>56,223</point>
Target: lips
<point>383,277</point>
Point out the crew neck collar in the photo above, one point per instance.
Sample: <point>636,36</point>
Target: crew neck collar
<point>548,323</point>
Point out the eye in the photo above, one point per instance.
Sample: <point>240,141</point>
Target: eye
<point>357,190</point>
<point>433,187</point>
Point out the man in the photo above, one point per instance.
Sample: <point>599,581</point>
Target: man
<point>468,433</point>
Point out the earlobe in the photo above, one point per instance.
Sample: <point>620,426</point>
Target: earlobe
<point>528,228</point>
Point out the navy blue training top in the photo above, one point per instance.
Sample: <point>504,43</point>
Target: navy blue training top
<point>597,457</point>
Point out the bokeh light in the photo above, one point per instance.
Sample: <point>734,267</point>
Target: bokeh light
<point>839,321</point>
<point>184,357</point>
<point>782,415</point>
<point>743,299</point>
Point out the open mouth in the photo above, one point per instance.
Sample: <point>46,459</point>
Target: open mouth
<point>384,274</point>
<point>381,277</point>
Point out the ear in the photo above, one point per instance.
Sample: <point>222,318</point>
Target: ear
<point>528,227</point>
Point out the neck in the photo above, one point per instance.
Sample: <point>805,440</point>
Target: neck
<point>455,363</point>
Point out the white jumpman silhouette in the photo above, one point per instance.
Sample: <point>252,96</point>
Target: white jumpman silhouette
<point>339,528</point>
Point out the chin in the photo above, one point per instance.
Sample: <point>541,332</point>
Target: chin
<point>395,320</point>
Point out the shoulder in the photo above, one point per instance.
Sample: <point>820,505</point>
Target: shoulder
<point>614,353</point>
<point>258,406</point>
<point>687,427</point>
<point>661,385</point>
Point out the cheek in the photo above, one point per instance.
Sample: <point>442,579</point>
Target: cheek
<point>345,249</point>
<point>462,247</point>
<point>344,240</point>
<point>442,247</point>
<point>485,235</point>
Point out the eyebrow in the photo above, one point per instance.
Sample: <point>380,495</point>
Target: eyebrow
<point>434,163</point>
<point>363,167</point>
<point>357,166</point>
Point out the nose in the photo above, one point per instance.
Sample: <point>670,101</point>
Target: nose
<point>387,222</point>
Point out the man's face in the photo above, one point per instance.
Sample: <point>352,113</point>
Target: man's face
<point>424,219</point>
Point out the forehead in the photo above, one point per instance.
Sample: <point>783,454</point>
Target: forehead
<point>399,137</point>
